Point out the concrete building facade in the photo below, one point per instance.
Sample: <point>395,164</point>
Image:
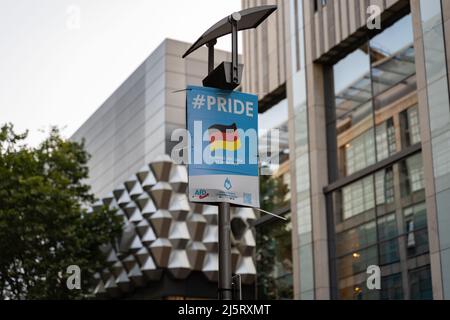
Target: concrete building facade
<point>135,124</point>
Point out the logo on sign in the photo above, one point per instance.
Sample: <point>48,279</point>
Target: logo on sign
<point>227,185</point>
<point>224,137</point>
<point>201,194</point>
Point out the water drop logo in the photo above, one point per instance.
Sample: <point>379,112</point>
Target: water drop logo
<point>227,184</point>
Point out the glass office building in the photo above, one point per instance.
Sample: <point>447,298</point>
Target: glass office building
<point>369,144</point>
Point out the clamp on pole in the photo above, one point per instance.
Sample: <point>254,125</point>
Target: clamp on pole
<point>210,46</point>
<point>234,19</point>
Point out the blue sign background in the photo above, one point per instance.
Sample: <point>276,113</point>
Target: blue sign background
<point>214,117</point>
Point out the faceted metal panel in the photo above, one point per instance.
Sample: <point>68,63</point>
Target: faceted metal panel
<point>161,249</point>
<point>196,252</point>
<point>133,187</point>
<point>211,266</point>
<point>238,228</point>
<point>246,214</point>
<point>117,268</point>
<point>235,255</point>
<point>146,205</point>
<point>179,178</point>
<point>122,196</point>
<point>128,235</point>
<point>150,270</point>
<point>112,288</point>
<point>112,257</point>
<point>136,276</point>
<point>196,224</point>
<point>133,213</point>
<point>148,237</point>
<point>136,244</point>
<point>163,230</point>
<point>161,193</point>
<point>179,265</point>
<point>100,290</point>
<point>179,235</point>
<point>142,227</point>
<point>211,238</point>
<point>129,262</point>
<point>247,244</point>
<point>246,268</point>
<point>179,206</point>
<point>146,177</point>
<point>123,282</point>
<point>161,221</point>
<point>211,214</point>
<point>142,255</point>
<point>161,167</point>
<point>110,202</point>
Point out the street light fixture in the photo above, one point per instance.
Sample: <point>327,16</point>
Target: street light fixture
<point>227,76</point>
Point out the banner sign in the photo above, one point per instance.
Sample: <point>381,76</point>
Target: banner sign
<point>223,146</point>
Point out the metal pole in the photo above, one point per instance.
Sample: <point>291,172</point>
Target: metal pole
<point>225,268</point>
<point>234,18</point>
<point>210,46</point>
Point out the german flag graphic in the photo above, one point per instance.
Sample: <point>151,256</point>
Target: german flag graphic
<point>224,137</point>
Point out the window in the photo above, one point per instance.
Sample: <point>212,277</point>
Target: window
<point>387,235</point>
<point>384,183</point>
<point>359,292</point>
<point>389,252</point>
<point>413,125</point>
<point>386,144</point>
<point>391,287</point>
<point>359,153</point>
<point>412,175</point>
<point>416,230</point>
<point>369,84</point>
<point>357,262</point>
<point>420,284</point>
<point>353,113</point>
<point>354,240</point>
<point>387,227</point>
<point>358,198</point>
<point>410,127</point>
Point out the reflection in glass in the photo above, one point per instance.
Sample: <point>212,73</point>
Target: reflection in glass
<point>392,287</point>
<point>354,240</point>
<point>416,229</point>
<point>410,126</point>
<point>353,113</point>
<point>274,261</point>
<point>358,198</point>
<point>420,286</point>
<point>412,179</point>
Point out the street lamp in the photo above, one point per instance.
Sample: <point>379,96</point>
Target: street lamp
<point>227,76</point>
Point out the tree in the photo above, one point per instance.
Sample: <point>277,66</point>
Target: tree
<point>45,226</point>
<point>273,242</point>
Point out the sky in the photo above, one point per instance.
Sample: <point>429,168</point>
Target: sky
<point>61,59</point>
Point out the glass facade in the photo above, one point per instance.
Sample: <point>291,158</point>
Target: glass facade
<point>274,261</point>
<point>439,115</point>
<point>378,204</point>
<point>300,155</point>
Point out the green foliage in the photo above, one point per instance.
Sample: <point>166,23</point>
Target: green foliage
<point>273,243</point>
<point>273,193</point>
<point>44,224</point>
